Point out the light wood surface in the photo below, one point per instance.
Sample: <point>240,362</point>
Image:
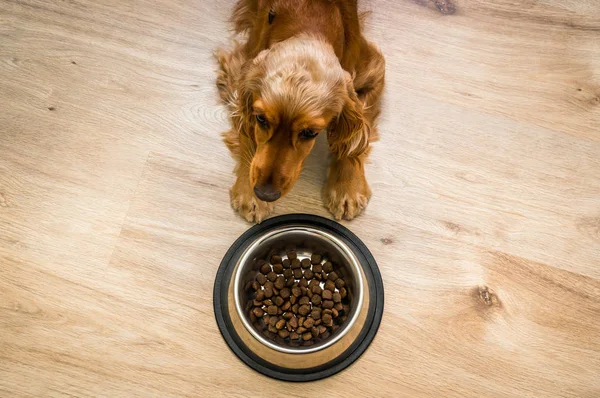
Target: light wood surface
<point>485,217</point>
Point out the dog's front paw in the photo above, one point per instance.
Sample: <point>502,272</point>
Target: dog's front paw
<point>346,200</point>
<point>248,206</point>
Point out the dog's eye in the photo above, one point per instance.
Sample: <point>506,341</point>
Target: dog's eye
<point>262,120</point>
<point>307,134</point>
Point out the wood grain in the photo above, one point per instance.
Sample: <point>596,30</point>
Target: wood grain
<point>485,218</point>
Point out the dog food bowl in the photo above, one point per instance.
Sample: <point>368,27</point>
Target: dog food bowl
<point>306,234</point>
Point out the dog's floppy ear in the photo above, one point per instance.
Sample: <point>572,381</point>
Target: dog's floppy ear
<point>348,135</point>
<point>248,84</point>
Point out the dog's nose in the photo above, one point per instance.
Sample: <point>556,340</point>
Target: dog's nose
<point>267,193</point>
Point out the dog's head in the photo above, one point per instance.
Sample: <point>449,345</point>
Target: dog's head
<point>289,94</point>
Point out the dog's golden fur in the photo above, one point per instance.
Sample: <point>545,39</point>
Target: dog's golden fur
<point>305,68</point>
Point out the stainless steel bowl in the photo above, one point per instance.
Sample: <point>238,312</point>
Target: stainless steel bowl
<point>306,234</point>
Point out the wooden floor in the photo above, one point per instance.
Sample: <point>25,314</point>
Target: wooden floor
<point>485,218</point>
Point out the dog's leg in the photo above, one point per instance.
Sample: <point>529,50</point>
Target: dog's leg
<point>346,192</point>
<point>242,195</point>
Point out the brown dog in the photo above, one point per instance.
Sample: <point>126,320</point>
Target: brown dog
<point>304,70</point>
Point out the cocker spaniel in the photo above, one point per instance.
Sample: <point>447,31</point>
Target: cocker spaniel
<point>304,69</point>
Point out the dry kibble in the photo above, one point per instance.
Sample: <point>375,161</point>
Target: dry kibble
<point>261,278</point>
<point>304,300</point>
<point>332,276</point>
<point>303,310</point>
<point>258,312</point>
<point>286,263</point>
<point>293,299</point>
<point>280,324</point>
<point>316,299</point>
<point>318,277</point>
<point>280,282</point>
<point>278,301</point>
<point>296,291</point>
<point>265,268</point>
<point>316,313</point>
<point>306,336</point>
<point>278,268</point>
<point>283,333</point>
<point>292,254</point>
<point>328,266</point>
<point>285,293</point>
<point>334,312</point>
<point>275,259</point>
<point>272,276</point>
<point>329,285</point>
<point>288,316</point>
<point>337,297</point>
<point>308,274</point>
<point>293,322</point>
<point>268,292</point>
<point>295,308</point>
<point>272,329</point>
<point>273,321</point>
<point>301,329</point>
<point>286,306</point>
<point>295,264</point>
<point>255,286</point>
<point>327,319</point>
<point>294,336</point>
<point>269,284</point>
<point>317,322</point>
<point>338,306</point>
<point>322,329</point>
<point>343,292</point>
<point>315,332</point>
<point>257,303</point>
<point>317,289</point>
<point>327,311</point>
<point>327,295</point>
<point>315,258</point>
<point>305,263</point>
<point>328,304</point>
<point>272,310</point>
<point>309,323</point>
<point>260,295</point>
<point>317,268</point>
<point>298,273</point>
<point>301,321</point>
<point>288,273</point>
<point>339,283</point>
<point>303,283</point>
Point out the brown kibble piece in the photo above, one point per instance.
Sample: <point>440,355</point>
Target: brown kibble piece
<point>303,283</point>
<point>258,312</point>
<point>295,264</point>
<point>272,329</point>
<point>304,300</point>
<point>332,276</point>
<point>338,306</point>
<point>268,292</point>
<point>272,310</point>
<point>278,268</point>
<point>269,284</point>
<point>316,313</point>
<point>293,299</point>
<point>305,263</point>
<point>337,297</point>
<point>256,286</point>
<point>327,319</point>
<point>315,258</point>
<point>329,285</point>
<point>334,312</point>
<point>328,304</point>
<point>296,291</point>
<point>275,259</point>
<point>260,295</point>
<point>301,321</point>
<point>261,278</point>
<point>346,309</point>
<point>317,289</point>
<point>303,310</point>
<point>273,320</point>
<point>308,274</point>
<point>272,276</point>
<point>285,292</point>
<point>317,322</point>
<point>309,293</point>
<point>301,329</point>
<point>288,273</point>
<point>279,282</point>
<point>294,322</point>
<point>318,276</point>
<point>286,263</point>
<point>327,311</point>
<point>288,315</point>
<point>295,308</point>
<point>316,299</point>
<point>265,268</point>
<point>283,333</point>
<point>298,273</point>
<point>286,306</point>
<point>257,303</point>
<point>343,292</point>
<point>339,283</point>
<point>278,301</point>
<point>322,329</point>
<point>294,336</point>
<point>327,295</point>
<point>315,332</point>
<point>328,266</point>
<point>309,323</point>
<point>306,336</point>
<point>280,324</point>
<point>317,268</point>
<point>291,254</point>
